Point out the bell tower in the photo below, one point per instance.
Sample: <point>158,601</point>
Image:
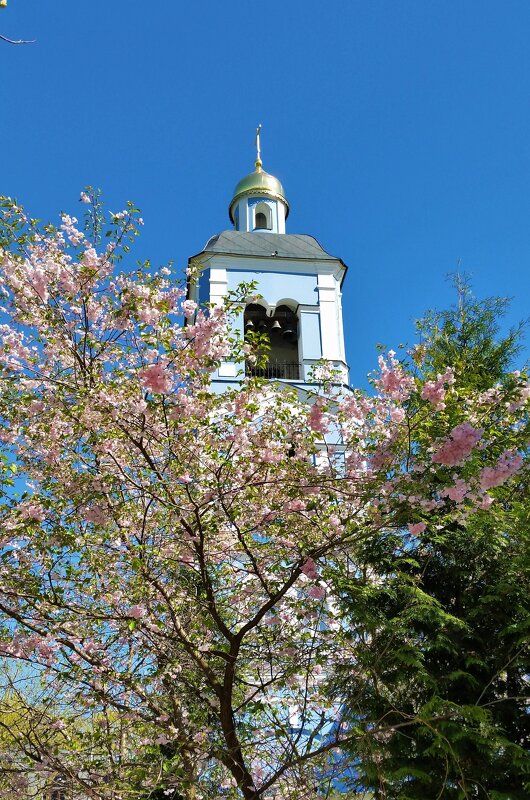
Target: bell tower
<point>299,283</point>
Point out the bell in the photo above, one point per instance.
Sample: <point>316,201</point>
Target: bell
<point>276,326</point>
<point>288,333</point>
<point>249,324</point>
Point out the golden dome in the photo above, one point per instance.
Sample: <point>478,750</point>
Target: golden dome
<point>259,183</point>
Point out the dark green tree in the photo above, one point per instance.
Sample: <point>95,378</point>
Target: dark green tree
<point>447,646</point>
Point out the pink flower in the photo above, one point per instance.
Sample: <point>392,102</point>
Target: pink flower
<point>458,445</point>
<point>137,612</point>
<point>148,315</point>
<point>40,284</point>
<point>458,492</point>
<point>295,505</point>
<point>96,514</point>
<point>155,378</point>
<point>317,420</point>
<point>394,381</point>
<point>317,592</point>
<point>507,465</point>
<point>416,528</point>
<point>486,502</point>
<point>397,414</point>
<point>434,391</point>
<point>90,257</point>
<point>189,308</point>
<point>46,649</point>
<point>309,569</point>
<point>270,457</point>
<point>33,511</point>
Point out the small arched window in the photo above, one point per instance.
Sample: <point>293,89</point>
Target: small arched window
<point>262,217</point>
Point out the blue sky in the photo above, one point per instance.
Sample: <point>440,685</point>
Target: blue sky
<point>400,131</point>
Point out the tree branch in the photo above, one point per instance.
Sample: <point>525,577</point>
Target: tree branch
<point>17,41</point>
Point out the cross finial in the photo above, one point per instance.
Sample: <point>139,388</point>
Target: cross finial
<point>258,149</point>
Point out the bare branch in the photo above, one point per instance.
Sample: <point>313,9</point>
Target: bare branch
<point>17,41</point>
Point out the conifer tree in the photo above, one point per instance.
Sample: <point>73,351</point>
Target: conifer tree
<point>447,644</point>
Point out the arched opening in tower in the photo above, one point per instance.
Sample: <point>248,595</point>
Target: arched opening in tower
<point>282,330</point>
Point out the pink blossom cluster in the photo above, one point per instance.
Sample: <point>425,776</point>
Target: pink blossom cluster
<point>490,396</point>
<point>397,414</point>
<point>32,511</point>
<point>458,492</point>
<point>189,308</point>
<point>317,592</point>
<point>434,391</point>
<point>155,378</point>
<point>508,464</point>
<point>69,226</point>
<point>23,646</point>
<point>137,611</point>
<point>317,419</point>
<point>96,514</point>
<point>394,381</point>
<point>148,314</point>
<point>309,569</point>
<point>382,457</point>
<point>13,351</point>
<point>356,464</point>
<point>458,445</point>
<point>416,528</point>
<point>294,505</point>
<point>356,409</point>
<point>91,258</point>
<point>208,335</point>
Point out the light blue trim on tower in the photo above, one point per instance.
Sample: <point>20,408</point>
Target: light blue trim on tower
<point>275,286</point>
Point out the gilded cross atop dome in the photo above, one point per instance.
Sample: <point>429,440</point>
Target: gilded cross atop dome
<point>259,163</point>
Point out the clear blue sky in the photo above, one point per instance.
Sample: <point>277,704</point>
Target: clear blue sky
<point>400,131</point>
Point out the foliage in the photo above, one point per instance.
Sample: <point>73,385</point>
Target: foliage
<point>448,629</point>
<point>468,338</point>
<point>172,559</point>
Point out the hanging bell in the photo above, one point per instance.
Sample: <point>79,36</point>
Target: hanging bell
<point>288,333</point>
<point>276,326</point>
<point>249,324</point>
